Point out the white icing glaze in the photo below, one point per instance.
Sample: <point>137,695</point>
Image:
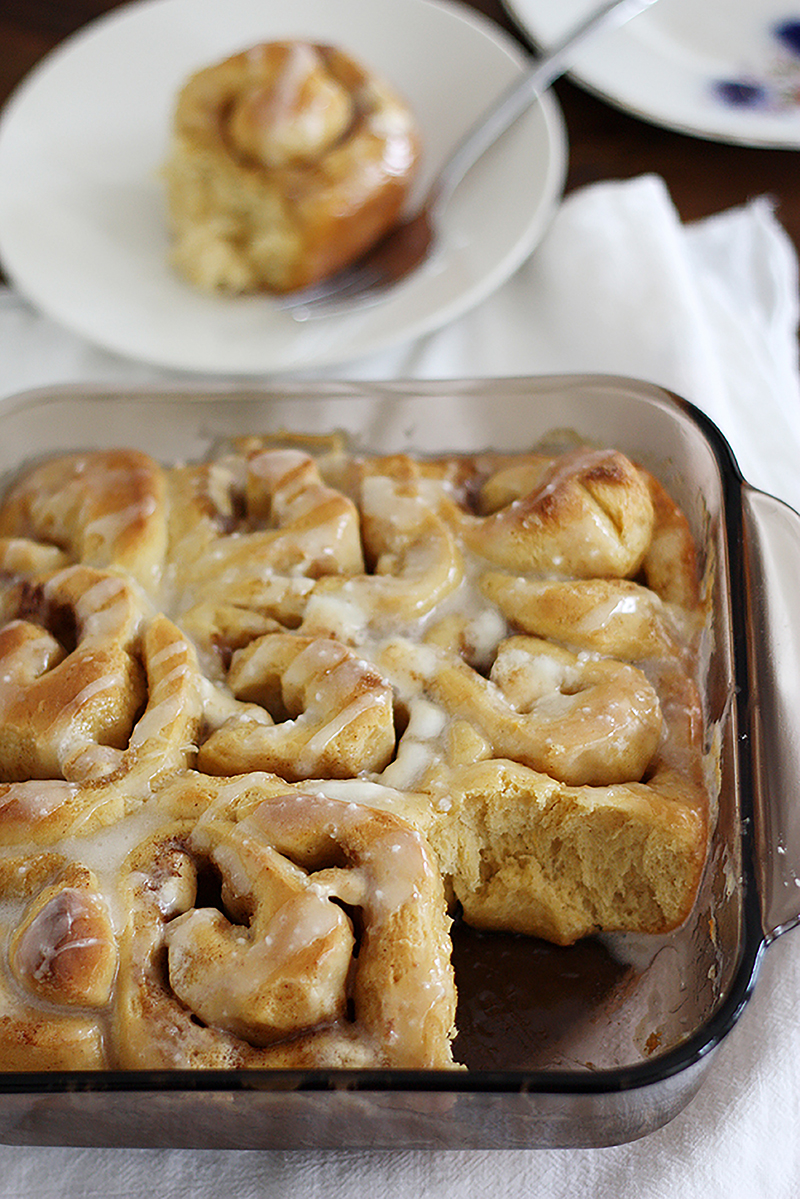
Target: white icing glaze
<point>391,871</point>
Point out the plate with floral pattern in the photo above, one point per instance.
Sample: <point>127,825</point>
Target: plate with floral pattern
<point>727,70</point>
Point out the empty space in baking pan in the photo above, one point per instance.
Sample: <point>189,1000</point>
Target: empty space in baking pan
<point>604,1002</point>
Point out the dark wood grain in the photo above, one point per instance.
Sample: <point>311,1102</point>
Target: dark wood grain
<point>703,177</point>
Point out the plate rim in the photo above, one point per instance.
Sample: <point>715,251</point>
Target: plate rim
<point>519,13</point>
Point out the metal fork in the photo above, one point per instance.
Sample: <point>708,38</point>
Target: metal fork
<point>411,242</point>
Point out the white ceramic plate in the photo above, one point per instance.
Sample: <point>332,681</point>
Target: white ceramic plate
<point>727,70</point>
<point>82,224</point>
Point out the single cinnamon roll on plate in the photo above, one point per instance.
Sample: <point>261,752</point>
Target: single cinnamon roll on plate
<point>288,161</point>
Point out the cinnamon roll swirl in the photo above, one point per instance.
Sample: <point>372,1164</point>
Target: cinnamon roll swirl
<point>288,161</point>
<point>285,930</point>
<point>104,509</point>
<point>248,535</point>
<point>589,515</point>
<point>100,700</point>
<point>312,709</point>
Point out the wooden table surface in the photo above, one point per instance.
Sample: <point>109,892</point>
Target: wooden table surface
<point>703,177</point>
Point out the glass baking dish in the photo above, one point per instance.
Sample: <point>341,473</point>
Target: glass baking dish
<point>590,1045</point>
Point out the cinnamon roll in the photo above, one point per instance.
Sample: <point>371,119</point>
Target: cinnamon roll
<point>615,617</point>
<point>288,161</point>
<point>578,720</point>
<point>315,710</point>
<point>528,853</point>
<point>248,535</point>
<point>588,515</point>
<point>100,700</point>
<point>415,564</point>
<point>326,945</point>
<point>104,509</point>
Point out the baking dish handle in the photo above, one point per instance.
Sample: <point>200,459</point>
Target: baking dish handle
<point>772,565</point>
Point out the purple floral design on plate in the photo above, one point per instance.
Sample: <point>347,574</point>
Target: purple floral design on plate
<point>779,87</point>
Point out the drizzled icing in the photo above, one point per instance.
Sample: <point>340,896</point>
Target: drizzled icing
<point>297,116</point>
<point>354,641</point>
<point>389,874</point>
<point>339,718</point>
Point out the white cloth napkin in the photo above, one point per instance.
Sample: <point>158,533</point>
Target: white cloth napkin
<point>618,285</point>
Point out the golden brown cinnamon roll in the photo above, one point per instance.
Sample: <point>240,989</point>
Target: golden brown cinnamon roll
<point>589,514</point>
<point>414,564</point>
<point>311,708</point>
<point>580,720</point>
<point>285,930</point>
<point>618,617</point>
<point>288,161</point>
<point>99,701</point>
<point>104,509</point>
<point>529,853</point>
<point>248,535</point>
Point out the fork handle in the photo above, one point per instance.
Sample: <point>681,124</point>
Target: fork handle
<point>526,90</point>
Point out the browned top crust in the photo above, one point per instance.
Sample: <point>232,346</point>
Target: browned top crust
<point>265,718</point>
